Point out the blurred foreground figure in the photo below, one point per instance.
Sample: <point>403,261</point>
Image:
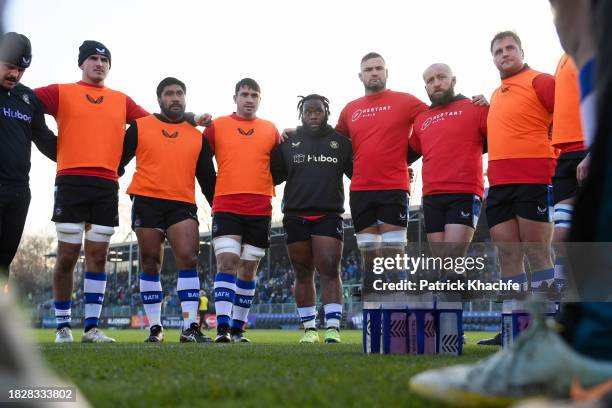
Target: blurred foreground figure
<point>20,365</point>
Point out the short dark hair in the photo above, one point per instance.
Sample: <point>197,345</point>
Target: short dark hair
<point>311,97</point>
<point>371,55</point>
<point>169,81</point>
<point>249,83</point>
<point>504,34</point>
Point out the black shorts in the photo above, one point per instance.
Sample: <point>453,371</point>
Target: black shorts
<point>369,208</point>
<point>254,229</point>
<point>149,212</point>
<point>458,208</point>
<point>565,184</point>
<point>301,229</point>
<point>530,201</point>
<point>83,203</point>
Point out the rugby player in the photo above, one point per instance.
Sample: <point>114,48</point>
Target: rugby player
<point>242,207</point>
<point>22,122</point>
<point>568,138</point>
<point>312,162</point>
<point>379,125</point>
<point>170,154</point>
<point>521,165</point>
<point>451,137</point>
<point>91,121</point>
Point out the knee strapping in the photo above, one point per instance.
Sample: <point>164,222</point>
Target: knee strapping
<point>368,241</point>
<point>99,233</point>
<point>252,253</point>
<point>391,238</point>
<point>71,233</point>
<point>226,245</point>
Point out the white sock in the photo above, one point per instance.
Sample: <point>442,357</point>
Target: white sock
<point>225,288</point>
<point>245,290</point>
<point>152,296</point>
<point>63,314</point>
<point>188,289</point>
<point>308,316</point>
<point>94,286</point>
<point>333,314</point>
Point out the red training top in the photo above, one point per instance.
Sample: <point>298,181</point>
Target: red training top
<point>451,139</point>
<point>379,127</point>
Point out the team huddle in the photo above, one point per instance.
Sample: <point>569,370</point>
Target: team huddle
<point>530,129</point>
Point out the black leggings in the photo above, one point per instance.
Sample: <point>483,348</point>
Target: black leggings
<point>14,203</point>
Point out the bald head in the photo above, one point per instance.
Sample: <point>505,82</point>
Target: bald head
<point>439,83</point>
<point>433,69</point>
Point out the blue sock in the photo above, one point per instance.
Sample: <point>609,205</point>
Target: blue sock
<point>333,314</point>
<point>521,279</point>
<point>188,289</point>
<point>152,296</point>
<point>545,277</point>
<point>94,287</point>
<point>225,289</point>
<point>243,299</point>
<point>63,314</point>
<point>308,316</point>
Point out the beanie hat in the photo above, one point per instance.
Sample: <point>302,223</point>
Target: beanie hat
<point>90,47</point>
<point>15,49</point>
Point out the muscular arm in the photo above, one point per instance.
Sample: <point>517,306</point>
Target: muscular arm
<point>414,143</point>
<point>197,120</point>
<point>419,106</point>
<point>190,118</point>
<point>133,111</point>
<point>205,172</point>
<point>209,135</point>
<point>130,142</point>
<point>341,126</point>
<point>414,149</point>
<point>544,86</point>
<point>49,98</point>
<point>277,165</point>
<point>348,160</point>
<point>483,129</point>
<point>44,139</point>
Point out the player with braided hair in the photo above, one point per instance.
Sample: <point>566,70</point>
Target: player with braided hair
<point>312,161</point>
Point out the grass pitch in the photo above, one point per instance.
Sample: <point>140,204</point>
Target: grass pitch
<point>273,371</point>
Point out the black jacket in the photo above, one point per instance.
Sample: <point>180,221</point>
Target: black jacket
<point>22,121</point>
<point>312,163</point>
